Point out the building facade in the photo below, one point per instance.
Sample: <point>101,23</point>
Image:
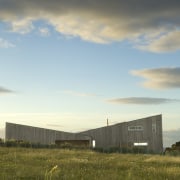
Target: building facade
<point>145,132</point>
<point>38,135</point>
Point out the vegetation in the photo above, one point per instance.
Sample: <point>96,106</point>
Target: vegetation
<point>35,163</point>
<point>174,149</point>
<point>27,144</point>
<point>68,145</point>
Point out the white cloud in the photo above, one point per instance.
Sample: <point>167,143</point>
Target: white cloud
<point>101,21</point>
<point>142,100</point>
<point>166,43</point>
<point>22,26</point>
<point>44,31</point>
<point>160,78</point>
<point>5,44</point>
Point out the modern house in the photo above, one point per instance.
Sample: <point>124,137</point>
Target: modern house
<point>145,133</point>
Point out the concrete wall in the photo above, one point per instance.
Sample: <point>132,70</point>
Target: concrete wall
<point>119,135</point>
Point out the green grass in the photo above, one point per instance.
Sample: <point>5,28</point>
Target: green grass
<point>46,164</point>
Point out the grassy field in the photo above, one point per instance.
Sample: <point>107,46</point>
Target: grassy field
<point>46,164</point>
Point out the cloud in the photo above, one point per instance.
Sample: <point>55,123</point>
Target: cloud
<point>22,26</point>
<point>44,31</point>
<point>166,43</point>
<point>5,44</point>
<point>160,78</point>
<point>142,100</point>
<point>4,90</point>
<point>101,21</point>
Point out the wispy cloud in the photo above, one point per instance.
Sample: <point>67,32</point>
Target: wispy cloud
<point>22,26</point>
<point>4,90</point>
<point>142,100</point>
<point>80,94</point>
<point>5,44</point>
<point>166,43</point>
<point>101,21</point>
<point>44,31</point>
<point>160,78</point>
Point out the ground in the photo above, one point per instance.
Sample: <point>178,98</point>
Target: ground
<point>45,164</point>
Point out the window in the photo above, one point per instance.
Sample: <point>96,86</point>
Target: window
<point>93,143</point>
<point>141,144</point>
<point>135,128</point>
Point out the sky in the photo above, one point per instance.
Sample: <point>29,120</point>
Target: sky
<point>70,65</point>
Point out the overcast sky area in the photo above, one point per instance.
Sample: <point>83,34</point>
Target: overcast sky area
<point>70,65</point>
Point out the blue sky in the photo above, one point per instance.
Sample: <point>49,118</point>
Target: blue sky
<point>70,66</point>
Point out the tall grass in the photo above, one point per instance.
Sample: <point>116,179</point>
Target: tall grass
<point>52,164</point>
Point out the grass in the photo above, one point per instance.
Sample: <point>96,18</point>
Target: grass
<point>50,164</point>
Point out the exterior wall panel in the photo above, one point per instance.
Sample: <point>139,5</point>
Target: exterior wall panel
<point>120,135</point>
<point>38,135</point>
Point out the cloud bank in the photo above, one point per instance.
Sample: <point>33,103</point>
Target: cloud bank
<point>142,100</point>
<point>160,78</point>
<point>151,25</point>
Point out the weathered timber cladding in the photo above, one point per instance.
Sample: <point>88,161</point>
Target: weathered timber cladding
<point>146,130</point>
<point>118,135</point>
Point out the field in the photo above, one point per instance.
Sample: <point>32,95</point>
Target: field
<point>46,164</point>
